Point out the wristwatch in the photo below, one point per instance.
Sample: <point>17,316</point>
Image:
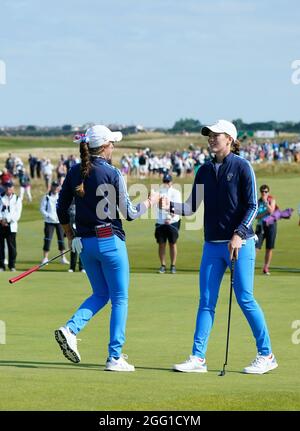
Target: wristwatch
<point>239,233</point>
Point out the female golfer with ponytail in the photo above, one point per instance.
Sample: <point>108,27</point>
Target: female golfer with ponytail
<point>100,195</point>
<point>230,206</point>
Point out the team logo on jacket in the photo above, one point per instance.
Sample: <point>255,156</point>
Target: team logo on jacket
<point>229,176</point>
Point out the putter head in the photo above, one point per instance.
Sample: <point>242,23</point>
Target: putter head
<point>222,373</point>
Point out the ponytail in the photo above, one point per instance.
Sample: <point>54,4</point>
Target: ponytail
<point>84,168</point>
<point>86,165</point>
<point>235,147</point>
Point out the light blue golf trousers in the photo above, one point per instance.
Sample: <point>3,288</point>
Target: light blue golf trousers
<point>214,262</point>
<point>106,263</point>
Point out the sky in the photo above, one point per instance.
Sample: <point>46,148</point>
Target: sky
<point>148,62</point>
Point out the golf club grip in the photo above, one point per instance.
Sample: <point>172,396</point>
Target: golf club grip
<point>24,274</point>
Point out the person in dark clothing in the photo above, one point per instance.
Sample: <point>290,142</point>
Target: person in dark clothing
<point>101,196</point>
<point>266,207</point>
<point>38,168</point>
<point>74,254</point>
<point>227,186</point>
<point>32,165</point>
<point>10,164</point>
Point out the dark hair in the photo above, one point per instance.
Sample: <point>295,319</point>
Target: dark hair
<point>86,164</point>
<point>264,187</point>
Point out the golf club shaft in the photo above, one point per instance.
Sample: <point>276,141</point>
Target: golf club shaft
<point>35,268</point>
<point>229,312</point>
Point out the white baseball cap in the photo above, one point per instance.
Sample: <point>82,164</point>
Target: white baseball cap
<point>99,135</point>
<point>221,126</point>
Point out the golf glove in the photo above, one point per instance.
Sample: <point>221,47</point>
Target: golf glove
<point>76,245</point>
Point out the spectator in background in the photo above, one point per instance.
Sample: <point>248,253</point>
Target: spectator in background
<point>47,169</point>
<point>167,226</point>
<point>48,209</point>
<point>74,254</point>
<point>61,172</point>
<point>266,206</point>
<point>135,165</point>
<point>189,165</point>
<point>143,164</point>
<point>6,176</point>
<point>71,161</point>
<point>25,186</point>
<point>10,164</point>
<point>19,166</point>
<point>125,166</point>
<point>32,160</point>
<point>10,213</point>
<point>38,167</point>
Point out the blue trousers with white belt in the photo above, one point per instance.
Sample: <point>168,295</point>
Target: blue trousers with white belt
<point>106,265</point>
<point>214,262</point>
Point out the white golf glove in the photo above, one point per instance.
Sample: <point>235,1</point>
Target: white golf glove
<point>76,245</point>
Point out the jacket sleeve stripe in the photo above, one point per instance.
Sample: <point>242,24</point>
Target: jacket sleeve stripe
<point>251,216</point>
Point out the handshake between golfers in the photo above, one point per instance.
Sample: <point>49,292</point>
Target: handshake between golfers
<point>234,244</point>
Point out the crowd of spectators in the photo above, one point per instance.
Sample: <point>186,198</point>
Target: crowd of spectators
<point>15,171</point>
<point>146,163</point>
<point>143,163</point>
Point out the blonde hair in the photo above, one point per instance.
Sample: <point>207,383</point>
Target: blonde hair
<point>235,145</point>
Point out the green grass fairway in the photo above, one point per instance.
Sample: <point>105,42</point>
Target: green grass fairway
<point>34,374</point>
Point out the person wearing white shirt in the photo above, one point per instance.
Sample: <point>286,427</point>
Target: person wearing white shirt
<point>167,226</point>
<point>47,169</point>
<point>10,213</point>
<point>48,210</point>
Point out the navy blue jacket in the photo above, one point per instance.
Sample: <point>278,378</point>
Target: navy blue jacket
<point>230,198</point>
<point>105,198</point>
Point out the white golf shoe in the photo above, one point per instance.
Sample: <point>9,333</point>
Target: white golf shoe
<point>193,365</point>
<point>68,343</point>
<point>64,260</point>
<point>261,364</point>
<point>120,364</point>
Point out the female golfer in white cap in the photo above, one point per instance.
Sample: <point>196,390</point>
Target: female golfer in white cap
<point>230,206</point>
<point>100,194</point>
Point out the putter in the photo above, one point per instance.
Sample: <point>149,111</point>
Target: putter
<point>222,373</point>
<point>35,268</point>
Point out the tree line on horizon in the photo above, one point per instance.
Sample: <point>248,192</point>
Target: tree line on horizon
<point>183,125</point>
<point>194,126</point>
